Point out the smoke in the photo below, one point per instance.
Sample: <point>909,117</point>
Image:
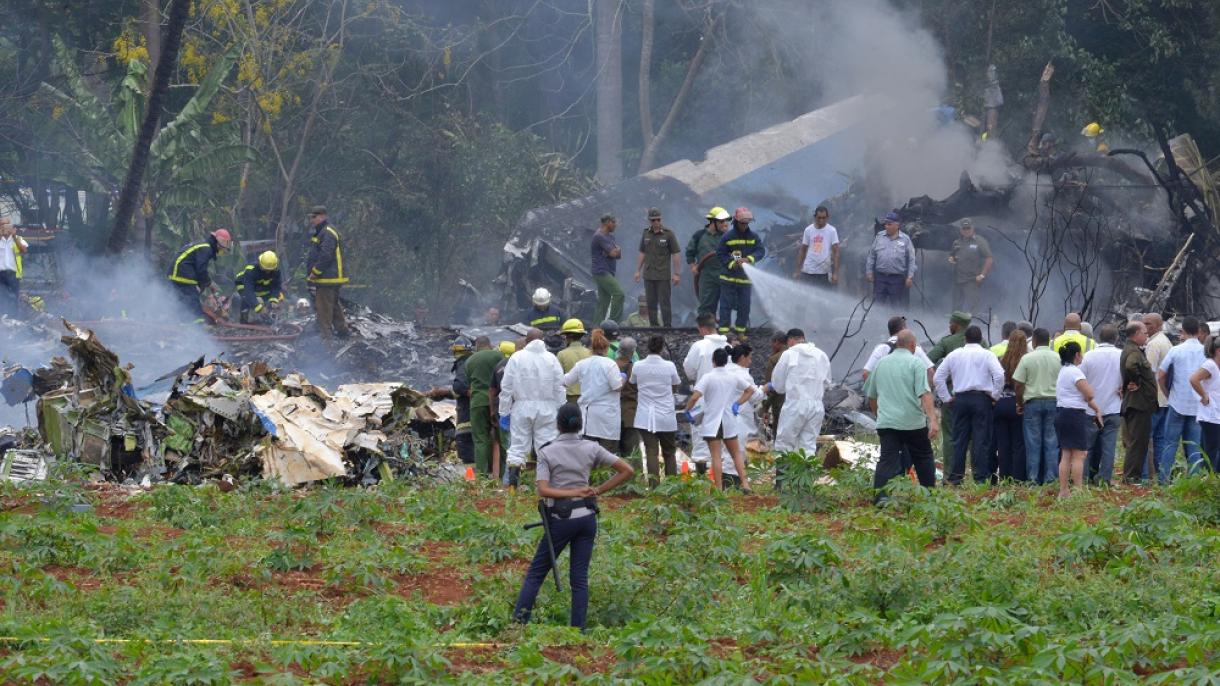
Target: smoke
<point>825,316</point>
<point>129,304</point>
<point>869,47</point>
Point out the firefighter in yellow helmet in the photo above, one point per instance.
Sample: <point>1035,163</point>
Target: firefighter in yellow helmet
<point>260,286</point>
<point>701,256</point>
<point>1093,132</point>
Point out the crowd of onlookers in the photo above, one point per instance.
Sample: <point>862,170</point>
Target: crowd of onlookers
<point>1039,407</point>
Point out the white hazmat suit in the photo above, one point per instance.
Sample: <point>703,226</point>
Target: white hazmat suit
<point>530,394</point>
<point>802,375</point>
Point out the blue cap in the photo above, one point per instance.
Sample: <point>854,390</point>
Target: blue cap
<point>892,217</point>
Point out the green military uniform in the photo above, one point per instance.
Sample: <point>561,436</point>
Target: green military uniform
<point>658,248</point>
<point>479,369</point>
<point>629,397</point>
<point>968,255</point>
<point>568,357</point>
<point>938,353</point>
<point>774,401</point>
<point>698,249</point>
<point>637,321</point>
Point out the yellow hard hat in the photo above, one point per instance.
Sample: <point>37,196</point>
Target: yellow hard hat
<point>507,348</point>
<point>1092,130</point>
<point>718,213</point>
<point>269,260</point>
<point>573,326</point>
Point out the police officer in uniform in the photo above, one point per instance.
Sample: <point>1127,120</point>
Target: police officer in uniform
<point>564,466</point>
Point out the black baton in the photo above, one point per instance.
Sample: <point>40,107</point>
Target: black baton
<point>550,544</point>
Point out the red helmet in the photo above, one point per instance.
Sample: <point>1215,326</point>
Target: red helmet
<point>222,237</point>
<point>743,215</point>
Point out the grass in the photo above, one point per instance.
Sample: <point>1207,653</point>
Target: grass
<point>970,586</point>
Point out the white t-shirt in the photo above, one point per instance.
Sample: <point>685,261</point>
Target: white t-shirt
<point>819,242</point>
<point>1210,412</point>
<point>8,254</point>
<point>1100,367</point>
<point>1066,392</point>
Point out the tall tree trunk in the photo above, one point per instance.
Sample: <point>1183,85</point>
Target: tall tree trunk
<point>130,194</point>
<point>647,28</point>
<point>150,27</point>
<point>608,22</point>
<point>653,143</point>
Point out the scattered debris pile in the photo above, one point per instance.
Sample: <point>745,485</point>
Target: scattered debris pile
<point>206,420</point>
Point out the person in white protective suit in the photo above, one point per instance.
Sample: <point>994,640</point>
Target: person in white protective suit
<point>530,395</point>
<point>802,375</point>
<point>697,363</point>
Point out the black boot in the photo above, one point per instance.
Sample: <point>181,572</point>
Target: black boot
<point>701,468</point>
<point>514,476</point>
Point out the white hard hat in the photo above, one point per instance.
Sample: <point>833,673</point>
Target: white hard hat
<point>542,297</point>
<point>303,302</point>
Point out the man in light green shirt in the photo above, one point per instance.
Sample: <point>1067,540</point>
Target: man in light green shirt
<point>899,393</point>
<point>1035,378</point>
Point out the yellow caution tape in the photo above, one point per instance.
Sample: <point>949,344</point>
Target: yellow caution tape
<point>244,641</point>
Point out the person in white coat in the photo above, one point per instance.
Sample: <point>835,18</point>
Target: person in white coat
<point>697,363</point>
<point>722,392</point>
<point>601,384</point>
<point>741,357</point>
<point>802,375</point>
<point>656,378</point>
<point>530,394</point>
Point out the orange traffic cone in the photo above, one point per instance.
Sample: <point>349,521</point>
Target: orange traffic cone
<point>470,473</point>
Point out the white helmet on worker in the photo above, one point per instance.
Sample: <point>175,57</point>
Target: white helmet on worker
<point>269,261</point>
<point>542,297</point>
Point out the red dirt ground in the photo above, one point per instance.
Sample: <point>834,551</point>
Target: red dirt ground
<point>581,658</point>
<point>478,660</point>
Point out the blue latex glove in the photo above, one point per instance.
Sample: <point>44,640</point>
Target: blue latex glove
<point>736,409</point>
<point>770,387</point>
<point>689,417</point>
<point>624,375</point>
<point>504,422</point>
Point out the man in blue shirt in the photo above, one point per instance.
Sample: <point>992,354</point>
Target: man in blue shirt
<point>605,254</point>
<point>1181,421</point>
<point>891,264</point>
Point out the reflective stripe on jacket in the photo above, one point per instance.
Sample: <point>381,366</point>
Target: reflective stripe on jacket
<point>325,257</point>
<point>748,244</point>
<point>191,266</point>
<point>18,251</point>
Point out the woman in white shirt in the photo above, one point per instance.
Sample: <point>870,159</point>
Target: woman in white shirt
<point>655,379</point>
<point>1073,395</point>
<point>600,385</point>
<point>723,392</point>
<point>1206,382</point>
<point>747,422</point>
